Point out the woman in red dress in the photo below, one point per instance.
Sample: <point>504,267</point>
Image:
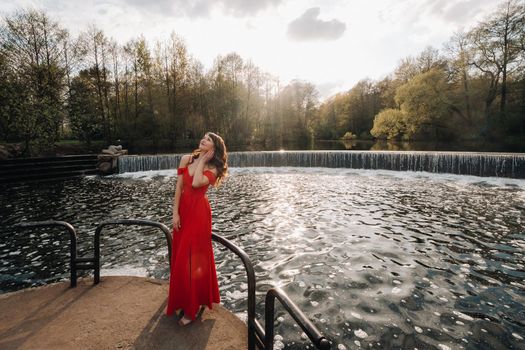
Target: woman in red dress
<point>193,278</point>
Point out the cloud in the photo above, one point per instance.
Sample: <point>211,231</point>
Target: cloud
<point>309,27</point>
<point>455,11</point>
<point>203,8</point>
<point>246,7</point>
<point>461,11</point>
<point>328,89</point>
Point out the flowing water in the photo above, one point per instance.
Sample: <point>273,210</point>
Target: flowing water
<point>461,163</point>
<point>376,259</point>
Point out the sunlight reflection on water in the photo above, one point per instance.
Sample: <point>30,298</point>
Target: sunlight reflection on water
<point>375,259</point>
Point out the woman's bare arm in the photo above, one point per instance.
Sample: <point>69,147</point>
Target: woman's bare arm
<point>178,191</point>
<point>199,179</point>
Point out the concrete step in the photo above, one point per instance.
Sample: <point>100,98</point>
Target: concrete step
<point>46,169</point>
<point>48,159</point>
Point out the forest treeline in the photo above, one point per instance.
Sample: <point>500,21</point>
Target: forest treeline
<point>156,95</point>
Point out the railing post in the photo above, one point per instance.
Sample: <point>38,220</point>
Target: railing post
<point>306,325</point>
<point>72,243</point>
<point>269,312</point>
<point>256,335</point>
<point>96,254</point>
<point>127,222</point>
<point>251,285</point>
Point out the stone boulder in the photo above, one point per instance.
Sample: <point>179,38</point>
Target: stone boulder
<point>108,159</point>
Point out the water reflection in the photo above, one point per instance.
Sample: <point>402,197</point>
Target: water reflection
<point>376,259</point>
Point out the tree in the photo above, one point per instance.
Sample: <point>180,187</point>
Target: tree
<point>496,44</point>
<point>85,113</point>
<point>333,116</point>
<point>389,124</point>
<point>299,101</point>
<point>425,103</point>
<point>409,67</point>
<point>96,47</point>
<point>460,58</point>
<point>364,102</point>
<point>32,49</point>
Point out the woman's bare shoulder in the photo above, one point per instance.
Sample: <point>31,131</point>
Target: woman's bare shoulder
<point>185,159</point>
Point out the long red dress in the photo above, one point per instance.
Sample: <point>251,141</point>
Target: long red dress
<point>193,278</point>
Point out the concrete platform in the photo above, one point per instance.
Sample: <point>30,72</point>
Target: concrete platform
<point>119,313</point>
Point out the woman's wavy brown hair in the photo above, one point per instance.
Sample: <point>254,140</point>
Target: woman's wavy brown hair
<point>220,157</point>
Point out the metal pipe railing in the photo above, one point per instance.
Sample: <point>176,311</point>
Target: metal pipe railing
<point>73,266</point>
<point>306,325</point>
<point>251,284</point>
<point>257,336</point>
<point>127,222</point>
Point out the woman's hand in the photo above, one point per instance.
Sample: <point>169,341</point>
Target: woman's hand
<point>207,156</point>
<point>176,222</point>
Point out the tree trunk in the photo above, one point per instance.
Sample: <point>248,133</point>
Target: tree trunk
<point>117,89</point>
<point>108,132</point>
<point>99,86</point>
<point>466,94</point>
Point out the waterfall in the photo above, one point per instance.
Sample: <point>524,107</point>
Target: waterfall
<point>127,164</point>
<point>463,163</point>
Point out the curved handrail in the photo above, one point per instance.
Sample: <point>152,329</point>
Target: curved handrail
<point>140,222</point>
<point>256,334</point>
<point>72,242</point>
<point>307,326</point>
<point>263,338</point>
<point>251,284</point>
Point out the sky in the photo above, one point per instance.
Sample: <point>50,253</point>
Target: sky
<point>330,43</point>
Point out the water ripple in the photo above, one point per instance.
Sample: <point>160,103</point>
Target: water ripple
<point>376,259</point>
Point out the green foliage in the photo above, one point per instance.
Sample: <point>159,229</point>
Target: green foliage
<point>353,110</point>
<point>33,72</point>
<point>424,103</point>
<point>349,136</point>
<point>389,124</point>
<point>158,95</point>
<point>85,116</point>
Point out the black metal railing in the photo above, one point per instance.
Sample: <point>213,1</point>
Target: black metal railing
<point>308,327</point>
<point>125,222</point>
<point>263,338</point>
<point>252,321</point>
<point>257,336</point>
<point>93,263</point>
<point>74,262</point>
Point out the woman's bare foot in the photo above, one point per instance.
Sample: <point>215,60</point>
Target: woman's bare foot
<point>184,321</point>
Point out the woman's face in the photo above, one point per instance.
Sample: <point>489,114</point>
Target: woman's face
<point>206,143</point>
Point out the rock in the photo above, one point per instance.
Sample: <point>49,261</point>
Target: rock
<point>105,167</point>
<point>105,158</point>
<point>115,149</point>
<point>108,159</point>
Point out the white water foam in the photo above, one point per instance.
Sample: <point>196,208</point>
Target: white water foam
<point>125,271</point>
<point>403,175</point>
